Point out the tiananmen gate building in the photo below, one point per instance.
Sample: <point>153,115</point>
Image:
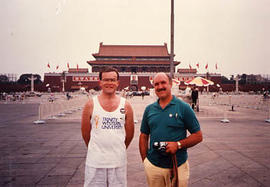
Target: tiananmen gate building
<point>137,65</point>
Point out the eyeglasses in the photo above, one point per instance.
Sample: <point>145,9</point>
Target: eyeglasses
<point>109,80</point>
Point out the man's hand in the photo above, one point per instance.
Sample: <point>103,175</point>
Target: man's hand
<point>171,147</point>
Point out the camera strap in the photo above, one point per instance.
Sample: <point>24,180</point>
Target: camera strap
<point>174,171</point>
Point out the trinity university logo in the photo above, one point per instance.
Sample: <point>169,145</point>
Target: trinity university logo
<point>110,123</point>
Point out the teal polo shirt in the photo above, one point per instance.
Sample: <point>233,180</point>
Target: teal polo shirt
<point>168,124</point>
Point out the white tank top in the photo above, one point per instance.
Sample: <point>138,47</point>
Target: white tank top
<point>106,148</point>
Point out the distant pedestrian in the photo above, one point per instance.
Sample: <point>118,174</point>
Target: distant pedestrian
<point>68,96</point>
<point>51,98</point>
<point>194,97</point>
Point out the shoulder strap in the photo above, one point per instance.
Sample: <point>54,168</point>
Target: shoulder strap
<point>122,102</point>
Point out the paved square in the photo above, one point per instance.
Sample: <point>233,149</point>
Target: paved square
<point>53,154</point>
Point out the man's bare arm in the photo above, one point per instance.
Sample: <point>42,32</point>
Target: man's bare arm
<point>143,145</point>
<point>129,123</point>
<point>85,121</point>
<point>190,141</point>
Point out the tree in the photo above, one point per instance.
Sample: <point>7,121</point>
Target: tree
<point>26,79</point>
<point>243,79</point>
<point>3,78</point>
<point>225,80</point>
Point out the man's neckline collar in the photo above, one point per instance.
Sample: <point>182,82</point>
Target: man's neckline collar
<point>172,102</point>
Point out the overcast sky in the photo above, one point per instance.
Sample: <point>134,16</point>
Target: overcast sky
<point>235,34</point>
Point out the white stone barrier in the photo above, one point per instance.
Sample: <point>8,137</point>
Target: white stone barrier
<point>60,108</point>
<point>268,113</point>
<point>255,102</point>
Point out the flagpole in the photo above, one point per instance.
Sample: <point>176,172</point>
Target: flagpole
<point>172,40</point>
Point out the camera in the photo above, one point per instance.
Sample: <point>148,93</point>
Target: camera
<point>160,146</point>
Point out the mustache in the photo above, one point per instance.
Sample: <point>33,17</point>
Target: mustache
<point>162,89</point>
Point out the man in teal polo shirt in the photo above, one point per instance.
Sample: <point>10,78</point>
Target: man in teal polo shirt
<point>167,120</point>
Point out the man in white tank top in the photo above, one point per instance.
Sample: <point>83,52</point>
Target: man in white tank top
<point>107,127</point>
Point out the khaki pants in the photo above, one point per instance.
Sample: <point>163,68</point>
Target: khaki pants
<point>160,177</point>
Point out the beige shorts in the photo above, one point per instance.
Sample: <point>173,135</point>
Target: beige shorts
<point>160,177</point>
<point>105,177</point>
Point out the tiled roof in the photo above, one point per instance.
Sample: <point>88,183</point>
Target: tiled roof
<point>130,62</point>
<point>80,70</point>
<point>133,50</point>
<point>187,70</point>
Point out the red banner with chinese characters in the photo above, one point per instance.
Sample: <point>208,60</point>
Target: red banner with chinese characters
<point>84,78</point>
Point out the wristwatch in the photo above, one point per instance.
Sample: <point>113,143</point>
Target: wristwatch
<point>179,145</point>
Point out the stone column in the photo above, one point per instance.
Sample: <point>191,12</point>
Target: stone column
<point>237,84</point>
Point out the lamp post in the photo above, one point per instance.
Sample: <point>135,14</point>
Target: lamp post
<point>32,79</point>
<point>237,84</point>
<point>172,40</point>
<point>63,80</point>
